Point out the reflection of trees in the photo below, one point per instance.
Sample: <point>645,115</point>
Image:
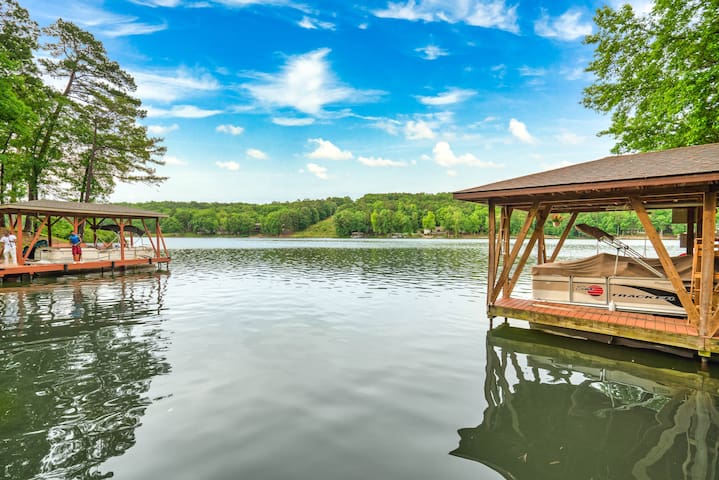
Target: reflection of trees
<point>561,409</point>
<point>75,369</point>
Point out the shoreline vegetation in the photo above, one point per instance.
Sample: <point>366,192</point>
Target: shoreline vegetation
<point>387,215</point>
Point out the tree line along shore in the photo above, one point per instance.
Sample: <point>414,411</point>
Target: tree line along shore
<point>378,215</point>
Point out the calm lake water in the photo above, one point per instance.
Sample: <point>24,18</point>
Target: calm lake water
<point>329,359</point>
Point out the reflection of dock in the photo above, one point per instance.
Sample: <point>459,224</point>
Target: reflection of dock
<point>77,359</point>
<point>564,408</point>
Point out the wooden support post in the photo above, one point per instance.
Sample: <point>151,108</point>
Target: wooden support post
<point>18,239</point>
<point>121,224</point>
<point>563,237</point>
<point>34,239</point>
<point>536,236</point>
<point>666,261</point>
<point>506,236</point>
<point>491,261</point>
<point>691,220</point>
<point>706,282</point>
<point>502,284</point>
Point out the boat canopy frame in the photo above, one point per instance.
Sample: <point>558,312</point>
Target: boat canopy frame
<point>685,179</point>
<point>97,216</point>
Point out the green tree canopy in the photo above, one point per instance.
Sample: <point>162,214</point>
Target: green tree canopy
<point>657,74</point>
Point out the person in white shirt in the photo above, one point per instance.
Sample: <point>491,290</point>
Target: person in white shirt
<point>9,251</point>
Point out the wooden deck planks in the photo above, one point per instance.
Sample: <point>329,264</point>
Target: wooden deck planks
<point>636,326</point>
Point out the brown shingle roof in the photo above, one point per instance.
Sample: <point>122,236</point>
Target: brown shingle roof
<point>54,207</point>
<point>665,168</point>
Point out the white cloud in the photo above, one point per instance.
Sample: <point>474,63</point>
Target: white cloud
<point>432,52</point>
<point>451,173</point>
<point>158,3</point>
<point>390,126</point>
<point>181,111</point>
<point>314,24</point>
<point>479,13</point>
<point>127,29</point>
<point>230,129</point>
<point>445,157</point>
<point>162,129</point>
<point>380,162</point>
<point>418,130</point>
<point>318,171</point>
<point>640,7</point>
<point>172,85</point>
<point>568,26</point>
<point>174,161</point>
<point>453,95</point>
<point>293,122</point>
<point>306,84</point>
<point>526,71</point>
<point>231,165</point>
<point>256,154</point>
<point>326,150</point>
<point>519,130</point>
<point>569,138</point>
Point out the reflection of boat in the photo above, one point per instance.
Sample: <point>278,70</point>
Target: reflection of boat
<point>563,408</point>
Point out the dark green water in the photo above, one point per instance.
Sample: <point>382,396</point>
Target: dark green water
<point>323,360</point>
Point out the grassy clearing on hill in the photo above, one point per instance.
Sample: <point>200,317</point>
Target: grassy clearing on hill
<point>322,229</point>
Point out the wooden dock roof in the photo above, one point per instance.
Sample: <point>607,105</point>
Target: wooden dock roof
<point>668,178</point>
<point>73,209</point>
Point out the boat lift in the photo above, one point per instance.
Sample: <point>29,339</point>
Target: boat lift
<point>622,247</point>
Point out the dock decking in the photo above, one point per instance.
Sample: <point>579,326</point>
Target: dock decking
<point>673,331</point>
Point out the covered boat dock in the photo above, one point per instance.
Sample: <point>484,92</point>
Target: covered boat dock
<point>40,253</point>
<point>684,180</point>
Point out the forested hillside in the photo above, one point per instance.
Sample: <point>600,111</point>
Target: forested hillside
<point>373,214</point>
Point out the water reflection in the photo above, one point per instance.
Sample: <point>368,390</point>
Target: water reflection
<point>76,361</point>
<point>559,408</point>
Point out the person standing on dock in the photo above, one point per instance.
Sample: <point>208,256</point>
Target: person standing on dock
<point>9,250</point>
<point>75,241</point>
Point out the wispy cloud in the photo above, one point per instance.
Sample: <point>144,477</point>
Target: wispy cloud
<point>307,84</point>
<point>314,24</point>
<point>432,52</point>
<point>162,129</point>
<point>256,154</point>
<point>174,161</point>
<point>570,138</point>
<point>418,130</point>
<point>479,13</point>
<point>158,3</point>
<point>380,162</point>
<point>131,28</point>
<point>445,157</point>
<point>318,171</point>
<point>568,26</point>
<point>519,131</point>
<point>451,96</point>
<point>293,122</point>
<point>181,111</point>
<point>172,85</point>
<point>526,71</point>
<point>230,129</point>
<point>327,150</point>
<point>231,165</point>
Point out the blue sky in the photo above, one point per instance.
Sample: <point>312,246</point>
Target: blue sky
<point>276,100</point>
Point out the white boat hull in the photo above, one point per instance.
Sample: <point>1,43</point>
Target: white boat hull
<point>637,294</point>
